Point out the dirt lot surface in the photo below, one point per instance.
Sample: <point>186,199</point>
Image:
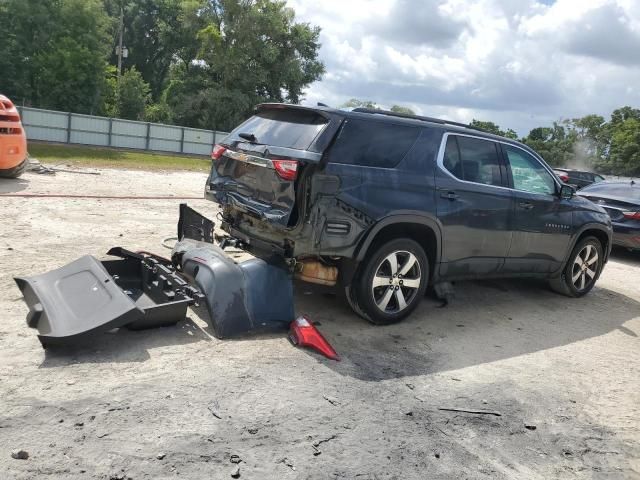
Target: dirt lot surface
<point>564,374</point>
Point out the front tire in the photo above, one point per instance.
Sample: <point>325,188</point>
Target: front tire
<point>391,283</point>
<point>582,269</point>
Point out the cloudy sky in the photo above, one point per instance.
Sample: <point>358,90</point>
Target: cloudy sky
<point>519,63</point>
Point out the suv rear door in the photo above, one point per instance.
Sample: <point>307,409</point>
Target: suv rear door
<point>256,167</point>
<point>473,206</point>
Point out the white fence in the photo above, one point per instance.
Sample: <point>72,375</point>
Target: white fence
<point>74,128</point>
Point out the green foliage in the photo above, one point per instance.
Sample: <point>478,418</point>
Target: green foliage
<point>158,113</point>
<point>591,142</point>
<point>219,57</point>
<point>401,109</point>
<point>132,95</point>
<point>54,53</point>
<point>246,53</point>
<point>113,158</point>
<point>355,103</point>
<point>491,127</point>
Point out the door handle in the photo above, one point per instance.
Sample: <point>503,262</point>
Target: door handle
<point>526,205</point>
<point>449,195</point>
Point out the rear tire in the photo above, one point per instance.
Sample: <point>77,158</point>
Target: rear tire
<point>391,283</point>
<point>582,269</point>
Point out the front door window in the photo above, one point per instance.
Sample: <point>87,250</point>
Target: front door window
<point>528,173</point>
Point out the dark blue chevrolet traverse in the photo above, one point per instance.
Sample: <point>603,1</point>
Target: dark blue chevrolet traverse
<point>390,203</point>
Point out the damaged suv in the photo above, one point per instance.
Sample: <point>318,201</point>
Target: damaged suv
<point>387,204</point>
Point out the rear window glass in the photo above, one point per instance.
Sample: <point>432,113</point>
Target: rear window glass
<point>290,128</point>
<point>620,190</point>
<point>374,144</point>
<point>472,160</point>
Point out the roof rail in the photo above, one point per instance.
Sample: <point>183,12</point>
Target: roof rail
<point>415,117</point>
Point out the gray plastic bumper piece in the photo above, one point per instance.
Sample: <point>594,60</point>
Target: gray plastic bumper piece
<point>87,297</point>
<point>67,303</point>
<point>254,295</point>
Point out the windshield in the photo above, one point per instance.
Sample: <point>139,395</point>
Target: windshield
<point>291,128</point>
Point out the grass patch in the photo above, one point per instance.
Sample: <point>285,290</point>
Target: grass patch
<point>111,158</point>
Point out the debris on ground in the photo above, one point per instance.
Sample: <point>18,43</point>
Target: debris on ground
<point>315,445</point>
<point>236,472</point>
<point>477,412</point>
<point>214,408</point>
<point>288,463</point>
<point>235,458</point>
<point>161,456</point>
<point>303,332</point>
<point>331,400</point>
<point>444,292</point>
<point>20,454</point>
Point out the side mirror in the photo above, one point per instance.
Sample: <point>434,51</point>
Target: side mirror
<point>567,192</point>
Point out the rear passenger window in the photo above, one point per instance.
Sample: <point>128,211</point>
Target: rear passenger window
<point>473,160</point>
<point>373,144</point>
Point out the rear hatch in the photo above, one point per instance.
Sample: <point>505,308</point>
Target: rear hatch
<point>256,169</point>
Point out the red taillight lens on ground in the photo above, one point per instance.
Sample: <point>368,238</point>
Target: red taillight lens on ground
<point>631,215</point>
<point>286,169</point>
<point>302,332</point>
<point>218,151</point>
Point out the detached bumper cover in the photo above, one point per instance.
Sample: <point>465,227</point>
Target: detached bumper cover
<point>251,296</point>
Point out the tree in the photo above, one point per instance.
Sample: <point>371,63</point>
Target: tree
<point>152,35</point>
<point>401,109</point>
<point>53,53</point>
<point>491,127</point>
<point>624,157</point>
<point>249,52</point>
<point>132,95</point>
<point>355,103</point>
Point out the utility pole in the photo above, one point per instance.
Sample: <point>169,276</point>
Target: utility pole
<point>120,43</point>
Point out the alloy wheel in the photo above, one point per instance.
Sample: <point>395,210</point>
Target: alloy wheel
<point>585,267</point>
<point>396,281</point>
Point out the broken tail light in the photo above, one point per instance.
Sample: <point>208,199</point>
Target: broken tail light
<point>303,333</point>
<point>218,151</point>
<point>286,169</point>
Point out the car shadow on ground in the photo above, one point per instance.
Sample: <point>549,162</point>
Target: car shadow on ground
<point>123,345</point>
<point>13,185</point>
<point>486,321</point>
<point>626,257</point>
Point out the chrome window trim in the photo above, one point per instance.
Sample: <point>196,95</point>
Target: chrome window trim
<point>443,146</point>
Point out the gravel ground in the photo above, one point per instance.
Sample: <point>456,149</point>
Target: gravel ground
<point>564,374</point>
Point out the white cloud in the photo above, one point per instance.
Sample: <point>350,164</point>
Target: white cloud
<point>520,63</point>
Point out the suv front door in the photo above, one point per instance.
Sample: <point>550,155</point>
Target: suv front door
<point>542,222</point>
<point>473,206</point>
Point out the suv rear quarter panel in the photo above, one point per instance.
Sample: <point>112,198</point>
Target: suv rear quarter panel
<point>375,193</point>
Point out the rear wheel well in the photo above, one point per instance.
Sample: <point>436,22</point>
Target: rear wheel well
<point>422,234</point>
